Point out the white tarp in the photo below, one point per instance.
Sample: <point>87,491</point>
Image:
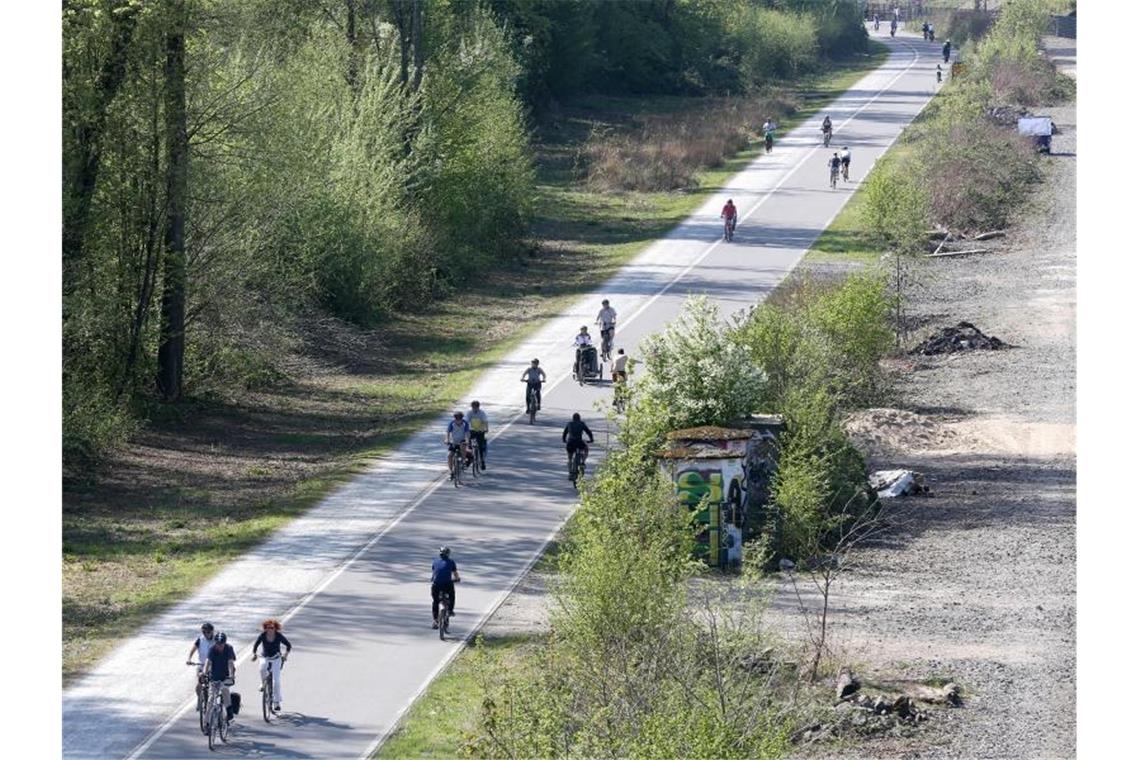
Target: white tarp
<point>1035,126</point>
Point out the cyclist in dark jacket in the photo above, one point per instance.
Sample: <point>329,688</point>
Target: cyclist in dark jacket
<point>572,437</point>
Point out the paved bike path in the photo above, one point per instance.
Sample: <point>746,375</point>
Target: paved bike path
<point>351,575</point>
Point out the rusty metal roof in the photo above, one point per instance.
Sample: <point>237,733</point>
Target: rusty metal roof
<point>709,433</point>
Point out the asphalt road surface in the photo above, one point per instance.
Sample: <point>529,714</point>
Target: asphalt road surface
<point>351,577</point>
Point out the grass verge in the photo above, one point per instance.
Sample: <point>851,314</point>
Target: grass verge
<point>448,710</point>
<point>211,478</point>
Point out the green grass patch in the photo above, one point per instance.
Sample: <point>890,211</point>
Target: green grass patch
<point>448,709</point>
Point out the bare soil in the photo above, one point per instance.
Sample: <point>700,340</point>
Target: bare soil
<point>977,582</point>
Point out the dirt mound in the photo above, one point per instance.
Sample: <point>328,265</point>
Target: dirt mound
<point>884,433</point>
<point>961,337</point>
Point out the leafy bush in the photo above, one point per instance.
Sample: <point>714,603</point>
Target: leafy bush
<point>627,670</point>
<point>897,208</point>
<point>696,372</point>
<point>977,173</point>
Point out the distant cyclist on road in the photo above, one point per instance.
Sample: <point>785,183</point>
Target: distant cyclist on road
<point>769,130</point>
<point>826,129</point>
<point>572,437</point>
<point>534,378</point>
<point>444,576</point>
<point>834,164</point>
<point>607,320</point>
<point>946,51</point>
<point>270,641</point>
<point>845,161</point>
<point>457,437</point>
<point>728,214</point>
<point>478,425</point>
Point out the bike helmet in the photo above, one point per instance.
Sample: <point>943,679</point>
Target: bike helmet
<point>444,551</point>
<point>534,362</point>
<point>207,626</point>
<point>605,302</point>
<point>584,329</point>
<point>458,415</point>
<point>220,638</point>
<point>577,417</point>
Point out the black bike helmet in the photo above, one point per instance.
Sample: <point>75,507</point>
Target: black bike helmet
<point>220,638</point>
<point>444,551</point>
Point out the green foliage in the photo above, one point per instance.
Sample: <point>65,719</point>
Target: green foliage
<point>673,46</point>
<point>897,210</point>
<point>627,671</point>
<point>696,372</point>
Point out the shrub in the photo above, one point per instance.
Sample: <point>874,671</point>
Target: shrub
<point>696,372</point>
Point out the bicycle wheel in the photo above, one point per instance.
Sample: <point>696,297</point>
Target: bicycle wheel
<point>203,713</point>
<point>211,727</point>
<point>267,696</point>
<point>475,461</point>
<point>456,468</point>
<point>223,725</point>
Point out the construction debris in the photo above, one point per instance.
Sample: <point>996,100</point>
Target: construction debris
<point>891,484</point>
<point>961,337</point>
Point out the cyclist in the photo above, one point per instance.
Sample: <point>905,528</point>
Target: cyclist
<point>946,51</point>
<point>201,645</point>
<point>894,26</point>
<point>444,576</point>
<point>728,214</point>
<point>938,73</point>
<point>833,164</point>
<point>845,161</point>
<point>769,130</point>
<point>619,373</point>
<point>925,30</point>
<point>826,129</point>
<point>223,668</point>
<point>457,436</point>
<point>607,320</point>
<point>876,19</point>
<point>270,642</point>
<point>572,437</point>
<point>534,378</point>
<point>932,33</point>
<point>477,423</point>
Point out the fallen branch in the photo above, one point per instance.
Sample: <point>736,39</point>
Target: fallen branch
<point>992,234</point>
<point>939,248</point>
<point>959,253</point>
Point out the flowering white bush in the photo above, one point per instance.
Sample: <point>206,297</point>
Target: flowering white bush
<point>696,372</point>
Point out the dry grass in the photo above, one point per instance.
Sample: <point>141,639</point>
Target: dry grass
<point>665,152</point>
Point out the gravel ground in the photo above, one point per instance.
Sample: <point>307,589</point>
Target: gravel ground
<point>977,581</point>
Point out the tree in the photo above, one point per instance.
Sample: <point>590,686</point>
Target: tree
<point>172,331</point>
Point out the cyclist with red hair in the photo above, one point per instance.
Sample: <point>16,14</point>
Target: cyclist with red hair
<point>270,641</point>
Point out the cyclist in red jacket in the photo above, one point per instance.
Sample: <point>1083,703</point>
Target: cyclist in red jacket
<point>728,214</point>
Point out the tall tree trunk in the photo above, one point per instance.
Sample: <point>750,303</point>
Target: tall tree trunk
<point>88,138</point>
<point>353,37</point>
<point>172,337</point>
<point>408,16</point>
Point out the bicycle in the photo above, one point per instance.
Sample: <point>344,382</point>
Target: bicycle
<point>767,143</point>
<point>479,440</point>
<point>443,615</point>
<point>201,691</point>
<point>826,139</point>
<point>619,394</point>
<point>607,343</point>
<point>531,402</point>
<point>834,177</point>
<point>455,462</point>
<point>729,230</point>
<point>577,465</point>
<point>846,168</point>
<point>216,722</point>
<point>268,698</point>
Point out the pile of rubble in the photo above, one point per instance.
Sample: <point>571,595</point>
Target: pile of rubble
<point>961,337</point>
<point>867,714</point>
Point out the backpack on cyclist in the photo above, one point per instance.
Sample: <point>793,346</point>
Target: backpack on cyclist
<point>235,705</point>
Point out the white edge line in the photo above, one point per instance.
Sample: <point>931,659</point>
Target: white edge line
<point>459,646</point>
<point>432,487</point>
